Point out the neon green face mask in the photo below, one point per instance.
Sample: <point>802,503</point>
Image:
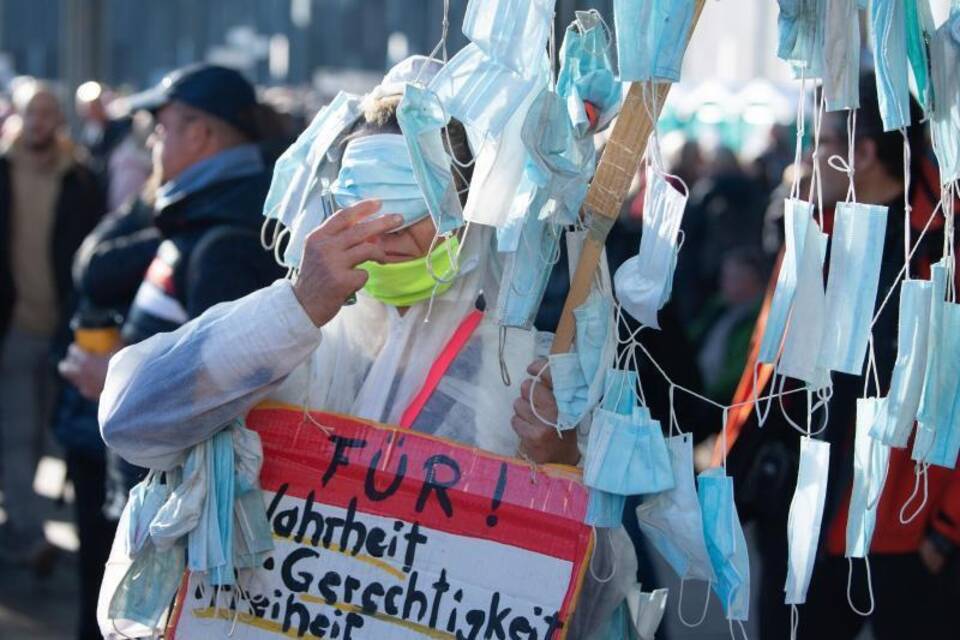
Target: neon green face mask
<point>403,284</point>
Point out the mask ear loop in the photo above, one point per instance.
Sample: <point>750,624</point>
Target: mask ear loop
<point>533,408</point>
<point>613,555</point>
<point>278,242</point>
<point>739,624</point>
<point>307,415</point>
<point>801,132</point>
<point>816,186</point>
<point>706,606</point>
<point>501,346</point>
<point>921,470</point>
<point>761,413</point>
<point>269,244</point>
<point>794,621</point>
<point>674,424</point>
<point>853,607</point>
<point>907,209</point>
<point>838,163</point>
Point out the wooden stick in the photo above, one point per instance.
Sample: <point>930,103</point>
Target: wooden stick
<point>618,165</point>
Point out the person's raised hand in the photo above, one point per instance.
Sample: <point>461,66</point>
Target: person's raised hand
<point>539,440</point>
<point>328,273</point>
<point>86,371</point>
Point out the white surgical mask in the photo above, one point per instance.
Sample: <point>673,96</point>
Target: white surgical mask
<point>805,517</point>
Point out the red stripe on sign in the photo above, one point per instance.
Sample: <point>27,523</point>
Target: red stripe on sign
<point>395,473</point>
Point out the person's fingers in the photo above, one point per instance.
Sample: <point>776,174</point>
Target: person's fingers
<point>364,252</point>
<point>356,279</point>
<point>366,230</point>
<point>545,404</point>
<point>525,387</point>
<point>348,216</point>
<point>538,366</point>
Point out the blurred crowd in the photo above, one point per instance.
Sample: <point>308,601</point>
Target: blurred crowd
<point>151,213</point>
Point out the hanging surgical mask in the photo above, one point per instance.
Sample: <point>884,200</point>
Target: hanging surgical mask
<point>726,544</point>
<point>627,454</point>
<point>482,93</point>
<point>512,32</point>
<point>899,409</point>
<point>841,54</point>
<point>801,346</point>
<point>379,167</point>
<point>146,499</point>
<point>570,389</point>
<point>586,73</point>
<point>805,517</point>
<point>594,329</point>
<point>646,611</point>
<point>671,520</point>
<point>801,35</point>
<point>797,215</point>
<point>938,431</point>
<point>525,274</point>
<point>604,509</point>
<point>421,118</point>
<point>652,37</point>
<point>295,170</point>
<point>210,544</point>
<point>148,586</point>
<point>870,460</point>
<point>620,391</point>
<point>855,255</point>
<point>644,282</point>
<point>888,42</point>
<point>945,87</point>
<point>919,28</point>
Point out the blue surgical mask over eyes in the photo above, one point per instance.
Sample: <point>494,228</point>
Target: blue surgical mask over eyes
<point>801,35</point>
<point>643,283</point>
<point>482,93</point>
<point>421,118</point>
<point>671,520</point>
<point>512,32</point>
<point>652,37</point>
<point>938,430</point>
<point>797,215</point>
<point>295,170</point>
<point>726,544</point>
<point>801,345</point>
<point>525,274</point>
<point>627,455</point>
<point>855,256</point>
<point>870,460</point>
<point>841,54</point>
<point>899,409</point>
<point>945,87</point>
<point>586,73</point>
<point>888,42</point>
<point>805,517</point>
<point>378,167</point>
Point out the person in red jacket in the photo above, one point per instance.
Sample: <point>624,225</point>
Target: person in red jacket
<point>915,570</point>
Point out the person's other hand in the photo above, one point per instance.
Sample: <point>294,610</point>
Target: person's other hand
<point>328,270</point>
<point>931,557</point>
<point>86,371</point>
<point>539,440</point>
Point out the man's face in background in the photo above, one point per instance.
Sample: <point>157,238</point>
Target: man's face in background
<point>42,119</point>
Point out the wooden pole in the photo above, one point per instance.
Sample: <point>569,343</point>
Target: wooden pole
<point>618,165</point>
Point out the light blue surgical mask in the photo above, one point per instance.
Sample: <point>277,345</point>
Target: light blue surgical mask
<point>604,509</point>
<point>726,544</point>
<point>644,282</point>
<point>570,389</point>
<point>938,430</point>
<point>620,391</point>
<point>797,215</point>
<point>594,324</point>
<point>512,32</point>
<point>841,54</point>
<point>421,118</point>
<point>805,517</point>
<point>671,520</point>
<point>801,35</point>
<point>482,93</point>
<point>920,28</point>
<point>945,87</point>
<point>888,42</point>
<point>379,167</point>
<point>526,272</point>
<point>855,256</point>
<point>627,454</point>
<point>652,37</point>
<point>148,586</point>
<point>870,460</point>
<point>586,73</point>
<point>145,500</point>
<point>253,536</point>
<point>801,345</point>
<point>899,409</point>
<point>210,544</point>
<point>295,170</point>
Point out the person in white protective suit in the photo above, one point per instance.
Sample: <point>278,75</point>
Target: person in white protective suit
<point>298,342</point>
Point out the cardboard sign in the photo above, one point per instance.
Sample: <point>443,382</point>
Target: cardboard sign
<point>384,533</point>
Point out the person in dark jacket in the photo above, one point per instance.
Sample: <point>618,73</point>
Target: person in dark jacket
<point>49,201</point>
